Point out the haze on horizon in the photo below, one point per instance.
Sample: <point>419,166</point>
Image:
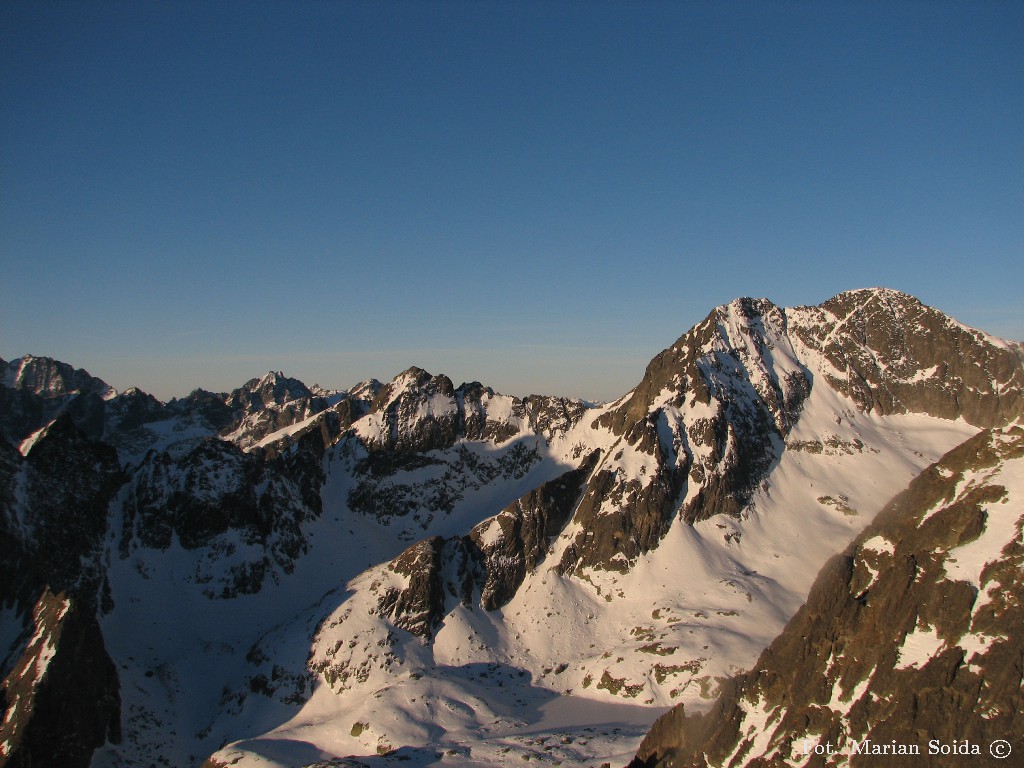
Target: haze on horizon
<point>538,196</point>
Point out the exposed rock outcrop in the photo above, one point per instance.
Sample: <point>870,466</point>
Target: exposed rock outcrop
<point>892,354</point>
<point>515,541</point>
<point>216,489</point>
<point>55,513</point>
<point>36,390</point>
<point>61,698</point>
<point>491,562</point>
<point>708,420</point>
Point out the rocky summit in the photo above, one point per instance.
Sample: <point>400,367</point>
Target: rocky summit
<point>436,574</point>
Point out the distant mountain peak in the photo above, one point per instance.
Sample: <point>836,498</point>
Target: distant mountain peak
<point>52,378</point>
<point>877,292</point>
<point>272,376</point>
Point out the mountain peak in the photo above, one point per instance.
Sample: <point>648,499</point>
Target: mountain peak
<point>273,387</point>
<point>415,378</point>
<point>879,292</point>
<point>51,378</point>
<point>412,376</point>
<point>890,353</point>
<point>749,305</point>
<point>886,300</point>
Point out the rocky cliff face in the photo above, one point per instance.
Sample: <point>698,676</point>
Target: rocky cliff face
<point>708,421</point>
<point>890,353</point>
<point>912,637</point>
<point>60,692</point>
<point>46,377</point>
<point>55,512</point>
<point>247,513</point>
<point>35,390</point>
<point>264,406</point>
<point>414,454</point>
<point>514,542</point>
<point>489,564</point>
<point>419,412</point>
<point>61,698</point>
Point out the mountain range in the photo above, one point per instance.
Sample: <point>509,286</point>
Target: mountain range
<point>422,573</point>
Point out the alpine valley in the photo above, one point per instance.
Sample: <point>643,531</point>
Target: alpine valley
<point>420,573</point>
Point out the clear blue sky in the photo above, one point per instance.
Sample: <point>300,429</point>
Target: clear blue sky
<point>540,196</point>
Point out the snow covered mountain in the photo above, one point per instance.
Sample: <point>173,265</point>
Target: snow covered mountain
<point>286,576</point>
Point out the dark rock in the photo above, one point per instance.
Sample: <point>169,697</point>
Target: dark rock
<point>753,409</point>
<point>324,431</point>
<point>418,412</point>
<point>68,482</point>
<point>217,488</point>
<point>552,415</point>
<point>494,567</point>
<point>61,698</point>
<point>900,356</point>
<point>420,607</point>
<point>209,406</point>
<point>133,409</point>
<point>35,390</point>
<point>272,389</point>
<point>527,528</point>
<point>50,378</point>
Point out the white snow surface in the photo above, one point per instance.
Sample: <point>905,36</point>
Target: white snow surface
<point>918,647</point>
<point>1002,525</point>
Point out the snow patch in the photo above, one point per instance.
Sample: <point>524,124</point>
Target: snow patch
<point>918,648</point>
